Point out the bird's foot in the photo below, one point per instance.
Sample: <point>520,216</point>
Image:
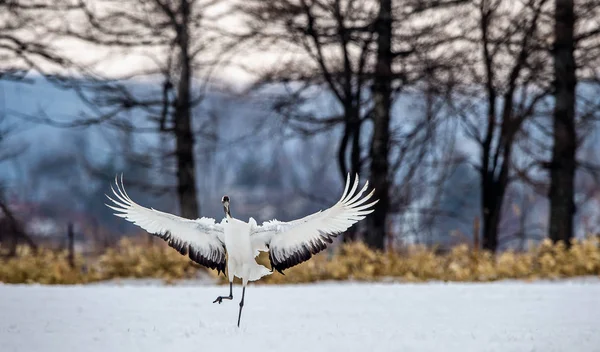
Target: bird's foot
<point>221,298</point>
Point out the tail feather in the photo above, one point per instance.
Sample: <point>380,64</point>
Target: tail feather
<point>257,271</point>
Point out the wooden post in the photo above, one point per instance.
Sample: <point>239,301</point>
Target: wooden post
<point>476,233</point>
<point>391,235</point>
<point>71,244</point>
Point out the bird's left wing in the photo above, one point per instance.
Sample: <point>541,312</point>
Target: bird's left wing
<point>291,243</point>
<point>201,239</point>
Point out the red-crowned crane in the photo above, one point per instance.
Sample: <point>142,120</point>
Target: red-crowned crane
<point>206,242</point>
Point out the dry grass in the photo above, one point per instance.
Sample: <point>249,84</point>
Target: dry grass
<point>127,260</point>
<point>349,262</point>
<point>357,262</point>
<point>45,267</point>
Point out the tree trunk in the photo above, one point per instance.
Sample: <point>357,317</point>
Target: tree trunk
<point>562,168</point>
<point>14,230</point>
<point>491,203</point>
<point>490,232</point>
<point>376,222</point>
<point>186,166</point>
<point>71,245</point>
<point>341,155</point>
<point>493,189</point>
<point>355,166</point>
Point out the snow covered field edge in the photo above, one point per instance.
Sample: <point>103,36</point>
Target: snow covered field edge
<point>501,316</point>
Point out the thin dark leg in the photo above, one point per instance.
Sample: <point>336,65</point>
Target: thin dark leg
<point>241,305</point>
<point>230,297</point>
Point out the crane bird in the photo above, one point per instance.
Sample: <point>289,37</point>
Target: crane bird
<point>207,242</point>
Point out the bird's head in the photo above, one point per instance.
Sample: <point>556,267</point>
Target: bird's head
<point>225,201</point>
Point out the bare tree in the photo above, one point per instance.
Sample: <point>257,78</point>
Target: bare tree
<point>380,142</point>
<point>575,114</point>
<point>27,46</point>
<point>546,168</point>
<point>402,60</point>
<point>12,230</point>
<point>27,43</point>
<point>510,70</point>
<point>562,168</point>
<point>174,42</point>
<point>332,44</point>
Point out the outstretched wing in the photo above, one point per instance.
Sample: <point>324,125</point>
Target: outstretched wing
<point>201,239</point>
<point>291,243</point>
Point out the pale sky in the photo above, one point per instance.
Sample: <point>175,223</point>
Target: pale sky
<point>113,63</point>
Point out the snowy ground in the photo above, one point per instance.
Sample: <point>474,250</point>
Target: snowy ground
<point>508,316</point>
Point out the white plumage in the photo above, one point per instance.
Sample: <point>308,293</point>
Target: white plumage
<point>235,244</point>
<point>202,239</point>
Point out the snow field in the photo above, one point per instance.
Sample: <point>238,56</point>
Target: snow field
<point>505,316</point>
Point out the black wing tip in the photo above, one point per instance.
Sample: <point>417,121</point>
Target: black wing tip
<point>275,265</point>
<point>221,268</point>
<point>185,249</point>
<point>302,254</point>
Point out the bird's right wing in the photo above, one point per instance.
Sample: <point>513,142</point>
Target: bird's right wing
<point>201,239</point>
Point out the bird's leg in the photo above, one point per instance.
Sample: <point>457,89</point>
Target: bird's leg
<point>230,297</point>
<point>241,305</point>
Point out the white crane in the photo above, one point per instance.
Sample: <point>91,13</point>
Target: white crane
<point>207,242</point>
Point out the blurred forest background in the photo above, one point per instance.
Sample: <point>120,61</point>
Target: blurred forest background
<point>475,120</point>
